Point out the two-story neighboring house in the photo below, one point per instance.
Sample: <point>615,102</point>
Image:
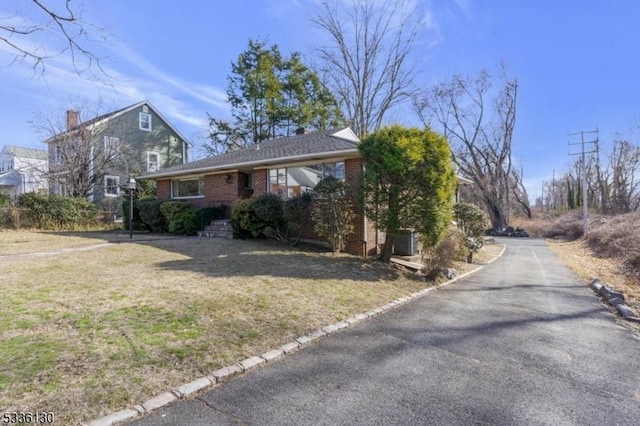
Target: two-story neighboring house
<point>97,157</point>
<point>22,170</point>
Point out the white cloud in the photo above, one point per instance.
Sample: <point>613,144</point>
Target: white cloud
<point>207,94</point>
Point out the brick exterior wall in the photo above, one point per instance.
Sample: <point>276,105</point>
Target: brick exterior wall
<point>217,191</point>
<point>260,181</point>
<point>163,188</point>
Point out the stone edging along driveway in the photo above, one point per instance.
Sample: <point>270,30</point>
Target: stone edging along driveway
<point>226,373</point>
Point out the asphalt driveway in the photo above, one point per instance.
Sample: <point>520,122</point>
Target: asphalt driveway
<point>521,342</point>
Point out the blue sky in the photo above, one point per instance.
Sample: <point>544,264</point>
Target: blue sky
<point>577,62</point>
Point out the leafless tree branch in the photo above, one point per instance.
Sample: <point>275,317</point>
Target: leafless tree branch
<point>66,26</point>
<point>367,62</point>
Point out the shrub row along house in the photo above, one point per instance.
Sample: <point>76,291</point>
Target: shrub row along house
<point>286,167</point>
<point>96,158</point>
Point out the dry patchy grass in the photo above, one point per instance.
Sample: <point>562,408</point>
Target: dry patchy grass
<point>86,333</point>
<point>611,252</point>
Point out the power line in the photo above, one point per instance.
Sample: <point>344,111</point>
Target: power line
<point>583,153</point>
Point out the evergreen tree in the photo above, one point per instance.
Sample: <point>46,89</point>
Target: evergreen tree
<point>271,96</point>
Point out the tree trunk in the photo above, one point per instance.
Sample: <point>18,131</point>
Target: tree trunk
<point>496,214</point>
<point>387,249</point>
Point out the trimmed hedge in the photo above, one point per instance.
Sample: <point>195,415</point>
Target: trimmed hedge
<point>151,215</point>
<point>267,215</point>
<point>55,212</point>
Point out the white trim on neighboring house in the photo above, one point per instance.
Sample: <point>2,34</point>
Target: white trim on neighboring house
<point>145,125</point>
<point>116,186</point>
<point>153,166</point>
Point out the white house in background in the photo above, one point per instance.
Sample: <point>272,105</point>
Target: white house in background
<point>22,170</point>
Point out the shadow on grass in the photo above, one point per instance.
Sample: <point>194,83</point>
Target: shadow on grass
<point>228,258</point>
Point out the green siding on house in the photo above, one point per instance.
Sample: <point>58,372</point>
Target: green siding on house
<point>136,144</point>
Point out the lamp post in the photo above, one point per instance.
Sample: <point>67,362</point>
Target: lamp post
<point>132,188</point>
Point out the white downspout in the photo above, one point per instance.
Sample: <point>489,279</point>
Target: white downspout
<point>365,236</point>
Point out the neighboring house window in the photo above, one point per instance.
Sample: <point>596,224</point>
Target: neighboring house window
<point>145,121</point>
<point>111,186</point>
<point>58,154</point>
<point>293,181</point>
<point>111,146</point>
<point>183,188</point>
<point>153,161</point>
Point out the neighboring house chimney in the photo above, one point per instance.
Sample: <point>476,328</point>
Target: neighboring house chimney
<point>301,131</point>
<point>72,119</point>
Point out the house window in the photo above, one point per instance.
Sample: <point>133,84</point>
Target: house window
<point>153,161</point>
<point>58,154</point>
<point>278,182</point>
<point>5,166</point>
<point>111,186</point>
<point>183,188</point>
<point>111,146</point>
<point>145,121</point>
<point>293,181</point>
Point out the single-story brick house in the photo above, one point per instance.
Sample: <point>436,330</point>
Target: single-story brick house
<point>286,167</point>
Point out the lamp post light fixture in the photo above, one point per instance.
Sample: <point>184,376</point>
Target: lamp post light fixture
<point>132,188</point>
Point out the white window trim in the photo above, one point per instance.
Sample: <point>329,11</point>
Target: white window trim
<point>117,179</point>
<point>302,165</point>
<point>111,142</point>
<point>140,115</point>
<point>185,197</point>
<point>149,154</point>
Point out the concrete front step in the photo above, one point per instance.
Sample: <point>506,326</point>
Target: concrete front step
<point>215,234</point>
<point>217,229</point>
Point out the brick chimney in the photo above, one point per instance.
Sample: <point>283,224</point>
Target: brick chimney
<point>72,119</point>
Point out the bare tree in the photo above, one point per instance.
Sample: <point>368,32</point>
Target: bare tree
<point>21,34</point>
<point>520,196</point>
<point>624,172</point>
<point>479,123</point>
<point>366,64</point>
<point>83,151</point>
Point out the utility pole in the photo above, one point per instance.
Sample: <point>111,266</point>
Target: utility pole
<point>553,193</point>
<point>583,153</point>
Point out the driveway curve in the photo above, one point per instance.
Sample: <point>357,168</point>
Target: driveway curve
<point>521,342</point>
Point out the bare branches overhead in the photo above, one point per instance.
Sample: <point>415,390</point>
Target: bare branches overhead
<point>366,63</point>
<point>22,31</point>
<point>478,121</point>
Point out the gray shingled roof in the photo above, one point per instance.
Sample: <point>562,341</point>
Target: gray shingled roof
<point>18,151</point>
<point>282,150</point>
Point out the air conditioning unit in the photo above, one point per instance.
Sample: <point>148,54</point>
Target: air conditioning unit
<point>406,243</point>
